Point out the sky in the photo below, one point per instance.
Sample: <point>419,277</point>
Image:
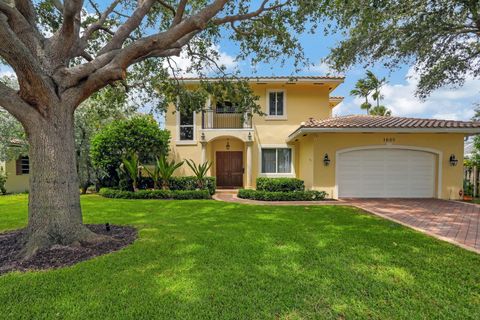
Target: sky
<point>444,103</point>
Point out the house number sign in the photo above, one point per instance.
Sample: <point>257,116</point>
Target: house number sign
<point>389,140</point>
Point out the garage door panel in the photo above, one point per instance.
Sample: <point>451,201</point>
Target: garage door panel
<point>382,173</point>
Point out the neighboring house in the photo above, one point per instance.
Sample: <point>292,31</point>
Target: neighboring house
<point>352,156</point>
<point>18,174</point>
<point>17,171</point>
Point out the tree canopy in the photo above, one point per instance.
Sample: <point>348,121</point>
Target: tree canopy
<point>440,38</point>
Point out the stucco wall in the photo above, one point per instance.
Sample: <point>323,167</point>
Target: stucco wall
<point>446,144</point>
<point>15,183</point>
<point>302,101</point>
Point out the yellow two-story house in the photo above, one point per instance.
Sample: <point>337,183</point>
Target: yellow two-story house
<point>351,156</point>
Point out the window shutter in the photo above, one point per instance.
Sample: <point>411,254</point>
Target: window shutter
<point>18,166</point>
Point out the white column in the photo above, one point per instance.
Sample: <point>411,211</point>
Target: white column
<point>249,164</point>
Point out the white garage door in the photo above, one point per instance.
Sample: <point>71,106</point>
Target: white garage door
<point>386,173</point>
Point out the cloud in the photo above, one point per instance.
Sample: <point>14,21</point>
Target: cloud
<point>444,103</point>
<point>321,68</point>
<point>184,62</point>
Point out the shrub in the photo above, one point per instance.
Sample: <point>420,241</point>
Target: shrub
<point>140,135</point>
<point>155,194</point>
<point>280,184</point>
<point>191,183</point>
<point>3,181</point>
<point>309,195</point>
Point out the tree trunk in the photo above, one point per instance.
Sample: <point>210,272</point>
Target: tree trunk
<point>55,216</point>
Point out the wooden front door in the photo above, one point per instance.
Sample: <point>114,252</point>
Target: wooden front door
<point>229,168</point>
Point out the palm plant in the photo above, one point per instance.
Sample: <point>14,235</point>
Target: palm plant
<point>362,90</point>
<point>381,111</point>
<point>200,171</point>
<point>131,168</point>
<point>374,84</point>
<point>166,169</point>
<point>155,175</point>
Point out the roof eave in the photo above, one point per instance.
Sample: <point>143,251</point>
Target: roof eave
<point>304,130</point>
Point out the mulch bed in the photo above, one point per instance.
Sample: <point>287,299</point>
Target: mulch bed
<point>61,256</point>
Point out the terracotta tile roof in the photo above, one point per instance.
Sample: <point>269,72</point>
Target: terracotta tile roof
<point>262,78</point>
<point>363,121</point>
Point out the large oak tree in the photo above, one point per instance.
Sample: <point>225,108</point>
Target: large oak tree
<point>62,53</point>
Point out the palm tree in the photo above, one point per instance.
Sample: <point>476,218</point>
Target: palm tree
<point>131,168</point>
<point>374,84</point>
<point>362,90</point>
<point>381,111</point>
<point>200,171</point>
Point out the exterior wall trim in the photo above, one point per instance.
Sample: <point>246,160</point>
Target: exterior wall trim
<point>438,153</point>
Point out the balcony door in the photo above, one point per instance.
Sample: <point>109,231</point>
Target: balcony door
<point>229,169</point>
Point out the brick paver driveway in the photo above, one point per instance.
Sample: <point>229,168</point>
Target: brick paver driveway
<point>455,222</point>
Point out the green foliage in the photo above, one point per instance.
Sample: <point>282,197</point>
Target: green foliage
<point>130,166</point>
<point>139,134</point>
<point>94,114</point>
<point>3,180</point>
<point>191,183</point>
<point>370,85</point>
<point>362,90</point>
<point>467,188</point>
<point>155,194</point>
<point>380,111</point>
<point>308,195</point>
<point>200,171</point>
<point>439,38</point>
<point>280,184</point>
<point>166,169</point>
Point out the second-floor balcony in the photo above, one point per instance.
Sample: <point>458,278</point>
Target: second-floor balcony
<point>213,119</point>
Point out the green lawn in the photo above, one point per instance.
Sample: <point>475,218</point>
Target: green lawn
<point>213,260</point>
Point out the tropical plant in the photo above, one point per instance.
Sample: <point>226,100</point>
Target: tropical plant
<point>362,90</point>
<point>154,174</point>
<point>166,169</point>
<point>132,169</point>
<point>375,84</point>
<point>381,111</point>
<point>200,171</point>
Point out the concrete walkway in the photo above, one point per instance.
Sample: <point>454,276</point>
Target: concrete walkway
<point>451,221</point>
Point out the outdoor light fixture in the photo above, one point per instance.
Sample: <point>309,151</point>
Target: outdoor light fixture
<point>453,160</point>
<point>326,160</point>
<point>203,136</point>
<point>228,145</point>
<point>249,136</point>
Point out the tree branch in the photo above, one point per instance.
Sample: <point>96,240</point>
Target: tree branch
<point>97,25</point>
<point>35,86</point>
<point>27,10</point>
<point>10,101</point>
<point>131,24</point>
<point>66,38</point>
<point>250,15</point>
<point>27,33</point>
<point>180,10</point>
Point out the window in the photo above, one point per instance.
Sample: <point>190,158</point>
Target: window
<point>186,126</point>
<point>276,103</point>
<point>23,165</point>
<point>276,160</point>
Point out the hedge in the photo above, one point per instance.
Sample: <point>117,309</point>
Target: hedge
<point>309,195</point>
<point>155,194</point>
<point>280,184</point>
<point>182,183</point>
